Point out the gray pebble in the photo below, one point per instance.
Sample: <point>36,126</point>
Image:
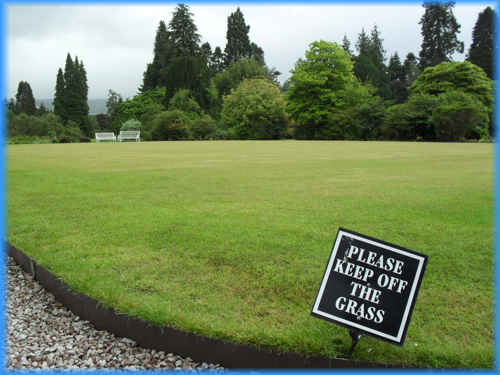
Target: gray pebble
<point>44,334</point>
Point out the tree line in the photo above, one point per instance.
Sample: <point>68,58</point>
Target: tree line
<point>190,91</point>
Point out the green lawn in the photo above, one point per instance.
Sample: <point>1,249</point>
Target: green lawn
<point>230,239</point>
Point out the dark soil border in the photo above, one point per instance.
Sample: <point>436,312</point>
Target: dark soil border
<point>171,340</point>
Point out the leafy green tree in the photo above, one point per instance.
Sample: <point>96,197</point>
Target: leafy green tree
<point>238,42</point>
<point>411,120</point>
<point>255,110</point>
<point>223,82</point>
<point>321,88</point>
<point>455,76</point>
<point>143,107</point>
<point>458,115</point>
<point>439,32</point>
<point>171,125</point>
<point>25,102</point>
<point>481,49</point>
<point>203,127</point>
<point>112,106</point>
<point>183,101</point>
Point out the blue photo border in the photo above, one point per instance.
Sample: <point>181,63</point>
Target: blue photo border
<point>3,200</point>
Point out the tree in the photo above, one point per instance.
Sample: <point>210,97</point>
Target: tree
<point>171,125</point>
<point>238,42</point>
<point>112,106</point>
<point>410,69</point>
<point>439,32</point>
<point>217,61</point>
<point>183,101</point>
<point>455,76</point>
<point>25,102</point>
<point>458,115</point>
<point>395,68</point>
<point>71,96</point>
<point>59,97</point>
<point>183,32</point>
<point>222,83</point>
<point>257,54</point>
<point>143,107</point>
<point>162,53</point>
<point>255,110</point>
<point>481,49</point>
<point>370,63</point>
<point>397,76</point>
<point>319,92</point>
<point>346,45</point>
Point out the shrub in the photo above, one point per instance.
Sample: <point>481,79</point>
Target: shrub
<point>458,115</point>
<point>255,110</point>
<point>203,127</point>
<point>171,125</point>
<point>183,101</point>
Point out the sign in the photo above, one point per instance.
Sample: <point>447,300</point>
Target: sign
<point>370,286</point>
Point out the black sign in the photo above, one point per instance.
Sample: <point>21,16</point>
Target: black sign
<point>370,286</point>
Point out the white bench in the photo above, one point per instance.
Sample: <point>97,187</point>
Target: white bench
<point>105,137</point>
<point>130,134</point>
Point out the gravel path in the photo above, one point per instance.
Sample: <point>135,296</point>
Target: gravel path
<point>44,334</point>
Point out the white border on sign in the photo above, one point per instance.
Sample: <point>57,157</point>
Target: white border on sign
<point>359,326</point>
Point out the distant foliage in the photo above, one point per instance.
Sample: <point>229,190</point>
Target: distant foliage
<point>142,107</point>
<point>25,128</point>
<point>203,127</point>
<point>255,110</point>
<point>222,83</point>
<point>131,124</point>
<point>171,125</point>
<point>458,116</point>
<point>184,102</point>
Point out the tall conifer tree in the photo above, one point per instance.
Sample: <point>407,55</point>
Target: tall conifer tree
<point>440,32</point>
<point>481,49</point>
<point>183,32</point>
<point>238,42</point>
<point>59,97</point>
<point>71,97</point>
<point>25,102</point>
<point>410,68</point>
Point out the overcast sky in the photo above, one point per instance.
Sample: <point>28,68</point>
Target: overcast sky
<point>115,41</point>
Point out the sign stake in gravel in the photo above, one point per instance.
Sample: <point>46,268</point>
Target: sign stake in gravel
<point>370,287</point>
